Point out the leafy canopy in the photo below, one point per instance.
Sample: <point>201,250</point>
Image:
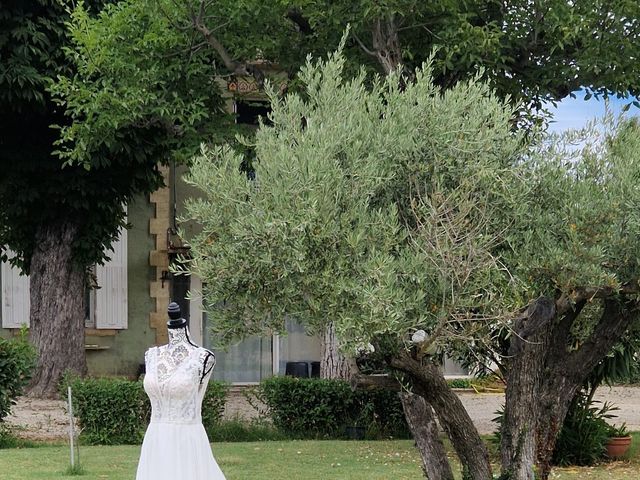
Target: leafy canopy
<point>335,226</point>
<point>388,210</point>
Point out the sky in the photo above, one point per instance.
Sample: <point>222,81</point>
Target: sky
<point>575,113</point>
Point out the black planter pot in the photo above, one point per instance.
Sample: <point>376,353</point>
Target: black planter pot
<point>355,433</point>
<point>297,369</point>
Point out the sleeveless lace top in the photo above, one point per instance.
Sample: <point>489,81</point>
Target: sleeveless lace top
<point>173,384</point>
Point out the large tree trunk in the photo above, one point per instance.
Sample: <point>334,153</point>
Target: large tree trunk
<point>524,383</point>
<point>334,365</point>
<point>428,381</point>
<point>424,428</point>
<point>57,309</point>
<point>544,375</point>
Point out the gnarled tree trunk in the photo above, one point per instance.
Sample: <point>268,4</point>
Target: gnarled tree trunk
<point>544,375</point>
<point>424,428</point>
<point>428,381</point>
<point>57,309</point>
<point>524,382</point>
<point>334,364</point>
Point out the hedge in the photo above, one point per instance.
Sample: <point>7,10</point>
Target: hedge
<point>318,408</point>
<point>113,411</point>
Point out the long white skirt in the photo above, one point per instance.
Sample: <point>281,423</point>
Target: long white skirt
<point>173,451</point>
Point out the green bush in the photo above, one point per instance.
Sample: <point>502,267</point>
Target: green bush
<point>386,416</point>
<point>213,405</point>
<point>113,411</point>
<point>304,407</point>
<point>110,411</point>
<point>584,434</point>
<point>17,359</point>
<point>315,408</point>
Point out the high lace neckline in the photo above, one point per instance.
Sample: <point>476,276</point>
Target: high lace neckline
<point>178,336</point>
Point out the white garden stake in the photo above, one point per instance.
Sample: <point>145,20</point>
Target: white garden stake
<point>71,427</point>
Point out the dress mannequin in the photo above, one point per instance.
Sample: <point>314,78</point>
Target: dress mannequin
<point>180,346</point>
<point>176,446</point>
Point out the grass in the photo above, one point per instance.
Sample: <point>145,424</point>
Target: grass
<point>294,460</point>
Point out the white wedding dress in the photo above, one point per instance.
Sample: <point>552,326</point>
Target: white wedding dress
<point>176,446</point>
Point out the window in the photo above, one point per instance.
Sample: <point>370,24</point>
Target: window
<point>248,111</point>
<point>107,305</point>
<point>15,297</point>
<point>256,358</point>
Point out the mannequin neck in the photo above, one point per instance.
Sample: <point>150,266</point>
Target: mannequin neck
<point>178,336</point>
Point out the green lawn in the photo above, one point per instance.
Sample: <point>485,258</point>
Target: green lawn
<point>293,460</point>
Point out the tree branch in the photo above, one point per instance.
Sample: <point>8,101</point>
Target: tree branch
<point>374,382</point>
<point>567,301</point>
<point>615,319</point>
<point>212,40</point>
<point>363,46</point>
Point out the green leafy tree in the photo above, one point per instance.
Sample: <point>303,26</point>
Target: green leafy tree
<point>63,191</point>
<point>416,218</point>
<point>533,53</point>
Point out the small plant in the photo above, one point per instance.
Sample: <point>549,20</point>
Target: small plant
<point>619,441</point>
<point>7,440</point>
<point>73,470</point>
<point>620,431</point>
<point>256,399</point>
<point>213,405</point>
<point>585,432</point>
<point>240,430</point>
<point>459,383</point>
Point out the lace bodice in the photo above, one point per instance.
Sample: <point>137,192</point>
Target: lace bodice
<point>175,383</point>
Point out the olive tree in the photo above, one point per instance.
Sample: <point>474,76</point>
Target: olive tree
<point>418,219</point>
<point>359,217</point>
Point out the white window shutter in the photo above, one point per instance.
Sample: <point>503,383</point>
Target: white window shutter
<point>15,297</point>
<point>111,298</point>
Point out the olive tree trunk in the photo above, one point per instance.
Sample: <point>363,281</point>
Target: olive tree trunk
<point>527,352</point>
<point>334,365</point>
<point>428,381</point>
<point>544,375</point>
<point>57,309</point>
<point>424,428</point>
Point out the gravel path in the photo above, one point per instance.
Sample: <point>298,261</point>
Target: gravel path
<point>47,419</point>
<point>482,406</point>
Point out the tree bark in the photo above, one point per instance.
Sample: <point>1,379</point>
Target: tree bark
<point>424,428</point>
<point>566,371</point>
<point>375,382</point>
<point>544,375</point>
<point>524,382</point>
<point>334,365</point>
<point>428,381</point>
<point>57,309</point>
